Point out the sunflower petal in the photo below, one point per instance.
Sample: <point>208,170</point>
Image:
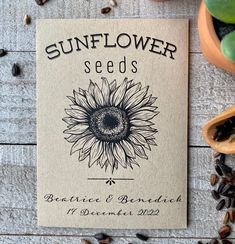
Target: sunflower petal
<point>70,120</point>
<point>131,91</point>
<point>91,88</point>
<point>81,100</point>
<point>137,122</point>
<point>145,133</point>
<point>96,151</point>
<point>90,100</point>
<point>113,86</point>
<point>83,155</point>
<point>98,96</point>
<point>75,113</point>
<point>119,93</point>
<point>89,144</point>
<point>72,138</point>
<point>139,150</point>
<point>128,149</point>
<point>136,98</point>
<point>151,142</point>
<point>151,101</point>
<point>77,129</point>
<point>144,115</point>
<point>72,99</point>
<point>119,154</point>
<point>80,143</point>
<point>105,90</point>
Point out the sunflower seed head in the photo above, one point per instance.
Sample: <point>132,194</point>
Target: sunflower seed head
<point>27,20</point>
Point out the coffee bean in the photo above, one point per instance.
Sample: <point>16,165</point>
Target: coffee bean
<point>15,70</point>
<point>214,241</point>
<point>220,205</point>
<point>221,187</point>
<point>101,236</point>
<point>225,241</point>
<point>214,179</point>
<point>83,241</point>
<point>231,216</point>
<point>226,218</point>
<point>142,237</point>
<point>105,10</point>
<point>228,202</point>
<point>224,231</point>
<point>3,52</point>
<point>215,194</point>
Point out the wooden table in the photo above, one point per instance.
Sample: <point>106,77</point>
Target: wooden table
<point>211,91</point>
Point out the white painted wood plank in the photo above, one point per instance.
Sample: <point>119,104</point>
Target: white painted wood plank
<point>211,91</point>
<point>77,240</point>
<point>17,37</point>
<point>18,197</point>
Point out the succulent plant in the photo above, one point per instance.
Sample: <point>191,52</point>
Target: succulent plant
<point>224,10</point>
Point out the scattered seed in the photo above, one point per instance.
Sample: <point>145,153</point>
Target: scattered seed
<point>40,2</point>
<point>215,194</point>
<point>222,158</point>
<point>142,237</point>
<point>214,241</point>
<point>226,170</point>
<point>3,52</point>
<point>224,231</point>
<point>214,179</point>
<point>106,241</point>
<point>221,187</point>
<point>199,242</point>
<point>113,3</point>
<point>228,202</point>
<point>226,218</point>
<point>15,70</point>
<point>218,170</point>
<point>231,215</point>
<point>220,205</point>
<point>105,10</point>
<point>216,154</point>
<point>27,20</point>
<point>101,236</point>
<point>225,241</point>
<point>83,241</point>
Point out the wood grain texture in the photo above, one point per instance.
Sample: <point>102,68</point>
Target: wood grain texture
<point>211,91</point>
<point>18,198</point>
<point>17,37</point>
<point>77,240</point>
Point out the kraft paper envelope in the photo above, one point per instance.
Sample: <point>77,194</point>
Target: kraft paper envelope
<point>112,98</point>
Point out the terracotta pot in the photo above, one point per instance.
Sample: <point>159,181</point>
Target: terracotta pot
<point>209,129</point>
<point>209,41</point>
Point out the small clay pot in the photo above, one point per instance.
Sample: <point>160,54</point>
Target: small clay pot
<point>209,41</point>
<point>209,129</point>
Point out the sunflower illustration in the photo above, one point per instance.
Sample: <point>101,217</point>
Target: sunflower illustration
<point>111,124</point>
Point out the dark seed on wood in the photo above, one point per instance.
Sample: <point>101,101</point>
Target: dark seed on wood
<point>221,187</point>
<point>40,2</point>
<point>83,241</point>
<point>215,194</point>
<point>101,236</point>
<point>142,237</point>
<point>228,202</point>
<point>214,179</point>
<point>214,241</point>
<point>225,241</point>
<point>228,190</point>
<point>105,10</point>
<point>199,242</point>
<point>231,216</point>
<point>15,70</point>
<point>226,170</point>
<point>2,53</point>
<point>106,241</point>
<point>220,205</point>
<point>226,218</point>
<point>233,203</point>
<point>224,231</point>
<point>216,154</point>
<point>218,170</point>
<point>27,19</point>
<point>222,158</point>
